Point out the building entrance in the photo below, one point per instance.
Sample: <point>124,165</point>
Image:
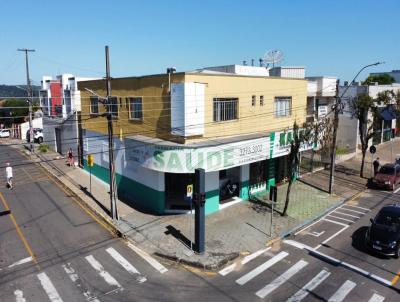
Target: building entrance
<point>229,184</point>
<point>175,191</point>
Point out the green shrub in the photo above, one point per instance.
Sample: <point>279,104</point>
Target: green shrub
<point>43,148</point>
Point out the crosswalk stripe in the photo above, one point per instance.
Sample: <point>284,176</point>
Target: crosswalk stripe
<point>153,262</point>
<point>49,288</point>
<point>342,292</point>
<point>310,286</point>
<point>262,293</point>
<point>78,282</point>
<point>357,207</point>
<point>245,260</point>
<point>345,214</point>
<point>354,211</point>
<point>376,298</point>
<point>19,296</point>
<point>125,264</point>
<point>258,270</point>
<point>103,273</point>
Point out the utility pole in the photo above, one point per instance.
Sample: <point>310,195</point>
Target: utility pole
<point>113,186</point>
<point>199,214</point>
<point>337,107</point>
<point>338,104</point>
<point>29,89</point>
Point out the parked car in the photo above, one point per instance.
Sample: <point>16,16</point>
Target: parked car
<point>4,133</point>
<point>388,176</point>
<point>37,135</point>
<point>383,236</point>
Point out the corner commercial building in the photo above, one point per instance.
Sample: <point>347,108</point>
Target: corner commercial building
<point>236,127</point>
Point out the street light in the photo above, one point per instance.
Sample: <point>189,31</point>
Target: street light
<point>338,106</point>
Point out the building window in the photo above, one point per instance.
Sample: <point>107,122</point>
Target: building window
<point>225,109</point>
<point>283,106</point>
<point>94,105</point>
<point>135,109</point>
<point>113,106</point>
<point>253,100</point>
<point>261,100</point>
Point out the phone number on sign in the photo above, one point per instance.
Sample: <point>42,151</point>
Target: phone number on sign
<point>251,150</point>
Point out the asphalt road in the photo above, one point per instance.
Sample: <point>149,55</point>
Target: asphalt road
<point>51,249</point>
<point>326,261</point>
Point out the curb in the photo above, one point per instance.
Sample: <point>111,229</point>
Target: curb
<point>198,264</point>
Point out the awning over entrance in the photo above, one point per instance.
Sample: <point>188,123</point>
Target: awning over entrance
<point>388,113</point>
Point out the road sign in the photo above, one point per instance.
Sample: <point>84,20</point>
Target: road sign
<point>372,149</point>
<point>90,160</point>
<point>189,191</point>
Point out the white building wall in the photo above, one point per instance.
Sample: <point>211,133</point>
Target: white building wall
<point>97,144</point>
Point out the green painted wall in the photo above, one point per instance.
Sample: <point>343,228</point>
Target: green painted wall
<point>244,190</point>
<point>212,202</point>
<point>132,192</point>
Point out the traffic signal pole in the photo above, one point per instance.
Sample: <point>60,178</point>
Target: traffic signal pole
<point>199,215</point>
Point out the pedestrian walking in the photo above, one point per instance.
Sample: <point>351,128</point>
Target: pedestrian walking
<point>71,161</point>
<point>376,165</point>
<point>9,175</point>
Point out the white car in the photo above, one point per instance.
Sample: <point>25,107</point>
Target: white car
<point>37,135</point>
<point>4,133</point>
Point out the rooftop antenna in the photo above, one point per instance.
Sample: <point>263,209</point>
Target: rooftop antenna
<point>272,57</point>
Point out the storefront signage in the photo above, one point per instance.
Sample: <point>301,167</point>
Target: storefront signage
<point>280,143</point>
<point>185,160</point>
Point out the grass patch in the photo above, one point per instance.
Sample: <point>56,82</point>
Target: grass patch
<point>43,148</point>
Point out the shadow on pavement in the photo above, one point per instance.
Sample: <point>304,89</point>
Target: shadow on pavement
<point>177,234</point>
<point>358,242</point>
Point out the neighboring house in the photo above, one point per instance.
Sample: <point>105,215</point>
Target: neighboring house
<point>395,74</point>
<point>321,92</point>
<point>60,101</point>
<point>388,120</point>
<point>236,127</point>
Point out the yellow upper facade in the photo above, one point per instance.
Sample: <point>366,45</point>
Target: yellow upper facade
<point>229,105</point>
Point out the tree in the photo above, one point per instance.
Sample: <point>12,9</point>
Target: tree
<point>360,107</point>
<point>299,138</point>
<point>383,79</point>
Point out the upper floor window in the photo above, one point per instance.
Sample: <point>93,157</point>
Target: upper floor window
<point>283,106</point>
<point>94,105</point>
<point>253,100</point>
<point>113,106</point>
<point>135,108</point>
<point>225,109</point>
<point>261,100</point>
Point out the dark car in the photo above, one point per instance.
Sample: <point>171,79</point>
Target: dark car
<point>383,236</point>
<point>388,176</point>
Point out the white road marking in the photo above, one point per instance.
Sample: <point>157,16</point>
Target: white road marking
<point>345,214</point>
<point>125,264</point>
<point>49,288</point>
<point>342,292</point>
<point>259,269</point>
<point>309,287</point>
<point>22,261</point>
<point>297,244</point>
<point>336,222</point>
<point>345,219</point>
<point>315,234</point>
<point>376,298</point>
<point>354,211</point>
<point>19,296</point>
<point>397,190</point>
<point>333,236</point>
<point>245,260</point>
<point>104,274</point>
<point>262,293</point>
<point>78,282</point>
<point>153,262</point>
<point>358,207</point>
<point>315,222</point>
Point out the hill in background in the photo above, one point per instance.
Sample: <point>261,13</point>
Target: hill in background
<point>15,91</point>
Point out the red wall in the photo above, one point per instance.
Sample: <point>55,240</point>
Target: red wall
<point>56,97</point>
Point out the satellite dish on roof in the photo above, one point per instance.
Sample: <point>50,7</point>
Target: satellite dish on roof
<point>272,57</point>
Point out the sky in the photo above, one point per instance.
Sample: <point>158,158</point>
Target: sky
<point>332,38</point>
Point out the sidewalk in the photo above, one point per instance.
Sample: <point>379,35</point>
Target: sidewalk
<point>238,230</point>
